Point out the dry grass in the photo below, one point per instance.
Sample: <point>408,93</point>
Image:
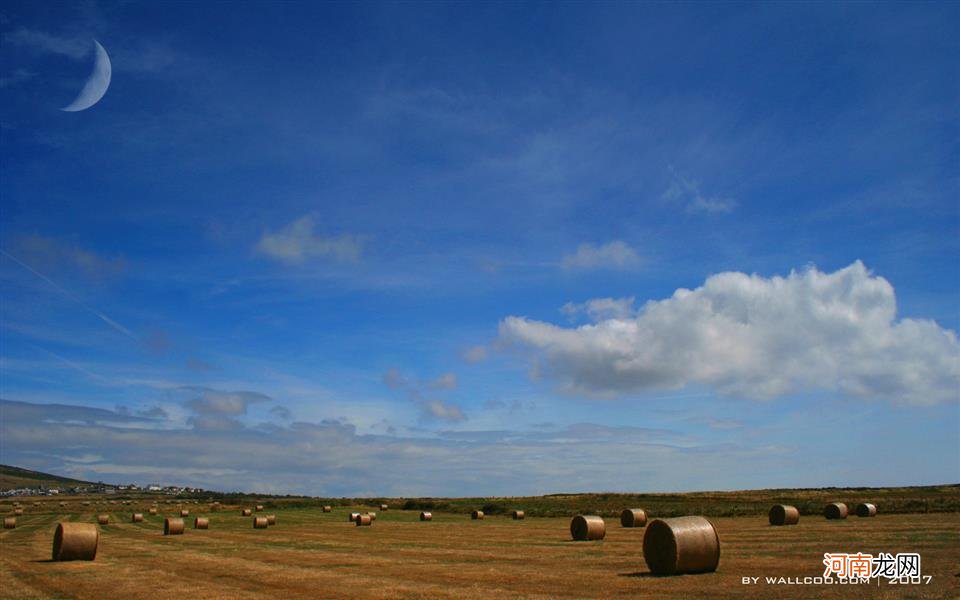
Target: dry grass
<point>453,558</point>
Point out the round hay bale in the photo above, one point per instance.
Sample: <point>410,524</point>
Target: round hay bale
<point>153,511</point>
<point>784,514</point>
<point>246,512</point>
<point>372,515</point>
<point>384,507</point>
<point>865,509</point>
<point>589,527</point>
<point>364,520</point>
<point>835,510</point>
<point>681,545</point>
<point>201,523</point>
<point>353,517</point>
<point>271,519</point>
<point>136,518</point>
<point>18,512</point>
<point>184,513</point>
<point>259,507</point>
<point>75,541</point>
<point>103,519</point>
<point>327,509</point>
<point>172,526</point>
<point>260,523</point>
<point>215,507</point>
<point>633,517</point>
<point>518,515</point>
<point>426,516</point>
<point>477,515</point>
<point>9,522</point>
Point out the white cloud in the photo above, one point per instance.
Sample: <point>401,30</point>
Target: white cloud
<point>756,337</point>
<point>687,192</point>
<point>296,243</point>
<point>612,255</point>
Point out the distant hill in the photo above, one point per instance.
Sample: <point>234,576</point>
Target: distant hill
<point>12,478</point>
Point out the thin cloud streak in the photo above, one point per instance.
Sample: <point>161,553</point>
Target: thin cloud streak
<point>113,324</point>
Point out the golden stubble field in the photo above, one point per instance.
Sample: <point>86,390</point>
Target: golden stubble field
<point>310,554</point>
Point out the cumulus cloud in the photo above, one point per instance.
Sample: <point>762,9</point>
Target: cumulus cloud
<point>297,243</point>
<point>755,337</point>
<point>612,255</point>
<point>687,192</point>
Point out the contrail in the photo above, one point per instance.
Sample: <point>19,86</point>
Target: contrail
<point>71,364</point>
<point>103,317</point>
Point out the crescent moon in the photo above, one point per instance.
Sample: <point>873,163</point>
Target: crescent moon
<point>96,85</point>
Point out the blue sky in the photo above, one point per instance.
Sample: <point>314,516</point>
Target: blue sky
<point>457,249</point>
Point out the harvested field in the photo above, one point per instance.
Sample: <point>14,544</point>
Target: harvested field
<point>457,558</point>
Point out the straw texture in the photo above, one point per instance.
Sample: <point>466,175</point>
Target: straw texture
<point>384,507</point>
<point>865,509</point>
<point>517,515</point>
<point>259,507</point>
<point>589,527</point>
<point>136,518</point>
<point>271,519</point>
<point>103,519</point>
<point>75,541</point>
<point>836,510</point>
<point>327,509</point>
<point>353,517</point>
<point>633,517</point>
<point>246,512</point>
<point>17,512</point>
<point>364,520</point>
<point>784,514</point>
<point>372,515</point>
<point>184,513</point>
<point>201,523</point>
<point>477,515</point>
<point>9,522</point>
<point>260,523</point>
<point>681,545</point>
<point>426,516</point>
<point>172,526</point>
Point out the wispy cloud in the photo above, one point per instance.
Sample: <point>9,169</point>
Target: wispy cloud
<point>687,192</point>
<point>103,317</point>
<point>297,243</point>
<point>75,47</point>
<point>599,309</point>
<point>612,255</point>
<point>54,255</point>
<point>16,77</point>
<point>423,394</point>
